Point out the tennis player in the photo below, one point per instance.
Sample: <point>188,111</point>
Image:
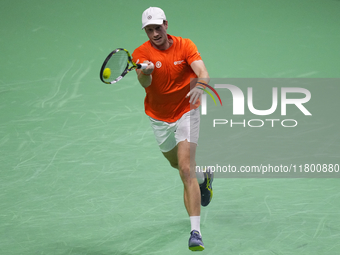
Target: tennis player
<point>173,108</point>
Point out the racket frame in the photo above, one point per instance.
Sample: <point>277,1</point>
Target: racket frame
<point>127,68</point>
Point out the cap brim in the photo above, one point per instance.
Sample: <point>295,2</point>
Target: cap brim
<point>153,22</point>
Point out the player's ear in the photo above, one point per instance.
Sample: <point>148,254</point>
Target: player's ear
<point>165,23</point>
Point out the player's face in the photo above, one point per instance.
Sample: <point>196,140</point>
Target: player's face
<point>158,35</point>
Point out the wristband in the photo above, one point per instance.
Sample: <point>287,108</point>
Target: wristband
<point>201,83</point>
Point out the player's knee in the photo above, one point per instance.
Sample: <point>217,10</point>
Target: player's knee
<point>184,171</point>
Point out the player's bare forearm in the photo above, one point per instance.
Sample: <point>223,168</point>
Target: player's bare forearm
<point>144,80</point>
<point>203,78</point>
<point>200,70</point>
<point>144,76</point>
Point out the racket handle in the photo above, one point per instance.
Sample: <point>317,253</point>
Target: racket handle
<point>142,66</point>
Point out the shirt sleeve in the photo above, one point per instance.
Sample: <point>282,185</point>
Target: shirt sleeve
<point>192,52</point>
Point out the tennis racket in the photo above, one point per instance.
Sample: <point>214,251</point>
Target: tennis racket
<point>116,65</point>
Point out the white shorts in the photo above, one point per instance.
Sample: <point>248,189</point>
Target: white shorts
<point>168,135</point>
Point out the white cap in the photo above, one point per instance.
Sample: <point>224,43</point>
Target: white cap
<point>153,16</point>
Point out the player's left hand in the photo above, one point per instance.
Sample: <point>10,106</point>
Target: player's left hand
<point>195,94</point>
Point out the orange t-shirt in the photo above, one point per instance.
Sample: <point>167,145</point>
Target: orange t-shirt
<point>165,97</point>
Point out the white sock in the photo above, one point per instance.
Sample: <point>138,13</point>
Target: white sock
<point>195,223</point>
<point>199,176</point>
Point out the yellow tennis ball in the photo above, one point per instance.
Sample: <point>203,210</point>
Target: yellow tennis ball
<point>107,73</point>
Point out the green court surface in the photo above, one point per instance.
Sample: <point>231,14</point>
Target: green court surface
<point>80,170</point>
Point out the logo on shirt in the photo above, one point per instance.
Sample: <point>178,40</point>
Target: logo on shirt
<point>158,64</point>
<point>178,62</point>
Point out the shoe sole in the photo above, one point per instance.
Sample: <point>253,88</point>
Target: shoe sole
<point>196,248</point>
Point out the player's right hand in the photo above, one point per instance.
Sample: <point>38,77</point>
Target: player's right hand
<point>149,68</point>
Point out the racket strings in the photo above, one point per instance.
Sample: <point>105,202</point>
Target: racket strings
<point>117,65</point>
